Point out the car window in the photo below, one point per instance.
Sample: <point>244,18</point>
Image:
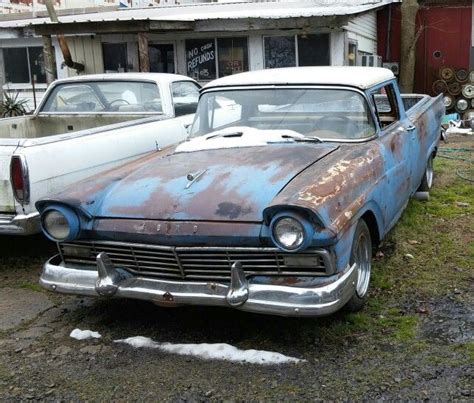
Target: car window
<point>185,96</point>
<point>386,106</point>
<point>105,96</point>
<point>340,114</point>
<point>73,98</point>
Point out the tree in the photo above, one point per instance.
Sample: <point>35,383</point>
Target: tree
<point>409,38</point>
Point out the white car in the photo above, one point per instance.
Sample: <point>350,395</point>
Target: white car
<point>83,126</point>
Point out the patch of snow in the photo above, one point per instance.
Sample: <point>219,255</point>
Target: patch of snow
<point>216,351</point>
<point>79,334</point>
<point>251,137</point>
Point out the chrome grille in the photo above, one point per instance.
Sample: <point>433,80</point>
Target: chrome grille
<point>196,263</point>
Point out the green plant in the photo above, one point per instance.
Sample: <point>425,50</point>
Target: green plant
<point>11,106</point>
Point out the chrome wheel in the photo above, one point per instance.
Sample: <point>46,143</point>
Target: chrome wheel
<point>429,172</point>
<point>427,180</point>
<point>361,257</point>
<point>363,261</point>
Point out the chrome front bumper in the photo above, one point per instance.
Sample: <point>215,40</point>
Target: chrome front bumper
<point>20,224</point>
<point>105,280</point>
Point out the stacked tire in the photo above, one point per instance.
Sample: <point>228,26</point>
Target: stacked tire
<point>457,87</point>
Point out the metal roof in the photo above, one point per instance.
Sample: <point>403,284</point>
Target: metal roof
<point>214,11</point>
<point>360,77</point>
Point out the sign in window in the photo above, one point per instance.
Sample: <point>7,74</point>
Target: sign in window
<point>232,56</point>
<point>201,59</point>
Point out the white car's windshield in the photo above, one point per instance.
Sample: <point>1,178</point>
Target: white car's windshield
<point>103,97</point>
<point>331,114</point>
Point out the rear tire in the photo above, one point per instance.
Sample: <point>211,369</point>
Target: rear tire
<point>427,181</point>
<point>361,255</point>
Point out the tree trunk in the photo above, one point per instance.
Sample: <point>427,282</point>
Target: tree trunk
<point>409,38</point>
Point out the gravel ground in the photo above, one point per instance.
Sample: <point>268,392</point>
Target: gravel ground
<point>414,340</point>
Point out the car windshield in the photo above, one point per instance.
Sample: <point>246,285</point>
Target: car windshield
<point>103,97</point>
<point>332,114</point>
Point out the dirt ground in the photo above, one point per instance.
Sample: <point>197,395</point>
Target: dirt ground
<point>414,339</point>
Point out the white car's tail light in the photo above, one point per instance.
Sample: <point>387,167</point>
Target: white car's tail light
<point>20,179</point>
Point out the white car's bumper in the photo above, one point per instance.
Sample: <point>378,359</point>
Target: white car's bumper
<point>11,224</point>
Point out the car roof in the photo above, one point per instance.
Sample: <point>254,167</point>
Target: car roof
<point>360,77</point>
<point>162,78</point>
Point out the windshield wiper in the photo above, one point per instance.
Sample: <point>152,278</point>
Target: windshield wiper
<point>303,139</point>
<point>233,134</point>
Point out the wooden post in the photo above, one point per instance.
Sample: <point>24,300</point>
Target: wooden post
<point>143,57</point>
<point>49,59</point>
<point>409,38</point>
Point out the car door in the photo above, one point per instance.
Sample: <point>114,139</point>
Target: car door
<point>398,145</point>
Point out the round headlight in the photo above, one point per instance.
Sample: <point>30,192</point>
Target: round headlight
<point>60,224</point>
<point>289,233</point>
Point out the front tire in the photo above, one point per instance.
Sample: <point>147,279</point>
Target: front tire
<point>361,256</point>
<point>427,181</point>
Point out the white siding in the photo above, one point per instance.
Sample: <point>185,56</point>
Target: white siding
<point>363,29</point>
<point>86,50</point>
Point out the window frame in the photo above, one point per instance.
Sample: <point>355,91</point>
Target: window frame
<point>216,59</point>
<point>199,87</point>
<point>391,98</point>
<point>28,59</point>
<point>295,37</point>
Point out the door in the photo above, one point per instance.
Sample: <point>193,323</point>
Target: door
<point>161,58</point>
<point>398,141</point>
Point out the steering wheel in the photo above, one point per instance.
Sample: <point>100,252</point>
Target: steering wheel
<point>119,100</point>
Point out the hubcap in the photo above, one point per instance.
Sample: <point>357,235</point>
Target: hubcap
<point>429,172</point>
<point>362,260</point>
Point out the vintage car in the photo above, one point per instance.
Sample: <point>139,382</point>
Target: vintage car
<point>85,125</point>
<point>273,205</point>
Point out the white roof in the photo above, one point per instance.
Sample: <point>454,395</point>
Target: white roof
<point>163,78</point>
<point>216,11</point>
<point>360,77</point>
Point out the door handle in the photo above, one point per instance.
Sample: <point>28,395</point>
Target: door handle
<point>410,128</point>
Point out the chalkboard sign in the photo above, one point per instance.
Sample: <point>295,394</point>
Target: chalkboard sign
<point>280,51</point>
<point>201,59</point>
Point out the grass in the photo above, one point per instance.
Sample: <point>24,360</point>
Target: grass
<point>32,287</point>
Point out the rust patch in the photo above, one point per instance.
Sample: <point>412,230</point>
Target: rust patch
<point>231,210</point>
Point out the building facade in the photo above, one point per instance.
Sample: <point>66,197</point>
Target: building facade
<point>204,41</point>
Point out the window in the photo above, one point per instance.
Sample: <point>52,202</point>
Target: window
<point>386,106</point>
<point>279,51</point>
<point>313,50</point>
<point>115,57</point>
<point>232,56</point>
<point>185,97</point>
<point>201,59</point>
<point>161,58</point>
<point>323,113</point>
<point>21,64</point>
<point>103,96</point>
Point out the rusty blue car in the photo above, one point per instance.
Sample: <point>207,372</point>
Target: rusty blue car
<point>274,204</point>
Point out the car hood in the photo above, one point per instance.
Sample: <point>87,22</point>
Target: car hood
<point>211,185</point>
